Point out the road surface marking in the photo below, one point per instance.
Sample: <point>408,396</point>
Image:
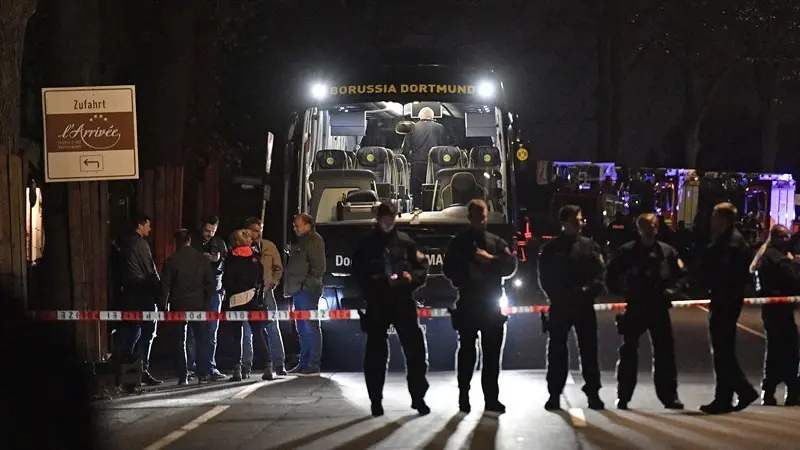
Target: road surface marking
<point>577,417</point>
<point>570,380</point>
<point>745,328</point>
<point>208,415</point>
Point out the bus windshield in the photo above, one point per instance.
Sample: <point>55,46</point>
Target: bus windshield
<point>356,155</point>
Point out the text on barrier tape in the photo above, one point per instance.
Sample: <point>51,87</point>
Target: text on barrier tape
<point>334,314</point>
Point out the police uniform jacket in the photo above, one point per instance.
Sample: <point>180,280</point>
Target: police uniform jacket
<point>461,254</point>
<point>378,256</point>
<point>647,277</point>
<point>778,276</point>
<point>725,265</point>
<point>571,268</point>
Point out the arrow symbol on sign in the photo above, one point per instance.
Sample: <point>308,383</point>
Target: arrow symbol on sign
<point>86,163</point>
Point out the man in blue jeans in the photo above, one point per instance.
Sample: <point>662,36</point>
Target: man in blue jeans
<point>304,271</point>
<point>273,271</point>
<point>214,250</point>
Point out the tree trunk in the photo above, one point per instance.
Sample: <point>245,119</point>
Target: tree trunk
<point>766,75</point>
<point>76,214</point>
<point>14,16</point>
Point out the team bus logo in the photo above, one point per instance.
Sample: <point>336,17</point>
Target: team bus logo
<point>462,89</point>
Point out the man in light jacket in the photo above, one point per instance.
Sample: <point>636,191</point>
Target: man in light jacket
<point>273,271</point>
<point>304,271</point>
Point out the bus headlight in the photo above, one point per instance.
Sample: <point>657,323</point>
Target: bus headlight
<point>319,91</point>
<point>486,89</point>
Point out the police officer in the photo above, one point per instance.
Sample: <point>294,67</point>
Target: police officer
<point>779,275</point>
<point>388,267</point>
<point>571,274</point>
<point>475,262</point>
<point>648,273</point>
<point>619,231</point>
<point>725,271</point>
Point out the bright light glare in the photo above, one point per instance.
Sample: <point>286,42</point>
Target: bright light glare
<point>503,300</point>
<point>517,282</point>
<point>322,304</point>
<point>486,89</point>
<point>319,91</point>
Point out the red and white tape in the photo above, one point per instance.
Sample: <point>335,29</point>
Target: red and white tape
<point>334,314</point>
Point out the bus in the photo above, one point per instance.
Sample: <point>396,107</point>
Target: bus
<point>347,156</point>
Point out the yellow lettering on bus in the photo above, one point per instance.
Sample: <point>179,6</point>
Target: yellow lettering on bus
<point>420,88</point>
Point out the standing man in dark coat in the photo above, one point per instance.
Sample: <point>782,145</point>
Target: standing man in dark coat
<point>476,263</point>
<point>141,286</point>
<point>778,272</point>
<point>189,284</point>
<point>725,272</point>
<point>571,272</point>
<point>649,274</point>
<point>388,267</point>
<point>417,145</point>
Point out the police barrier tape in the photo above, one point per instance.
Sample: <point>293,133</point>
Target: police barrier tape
<point>334,314</point>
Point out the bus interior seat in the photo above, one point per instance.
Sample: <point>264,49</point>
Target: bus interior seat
<point>458,188</point>
<point>358,204</point>
<point>442,157</point>
<point>379,161</point>
<point>489,159</point>
<point>331,159</point>
<point>402,175</point>
<point>331,186</point>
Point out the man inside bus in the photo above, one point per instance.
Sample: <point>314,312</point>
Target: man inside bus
<point>416,146</point>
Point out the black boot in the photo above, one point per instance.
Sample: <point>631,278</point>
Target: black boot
<point>463,402</point>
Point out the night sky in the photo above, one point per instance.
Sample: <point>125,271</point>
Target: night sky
<point>547,51</point>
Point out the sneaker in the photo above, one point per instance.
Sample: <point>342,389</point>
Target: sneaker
<point>268,375</point>
<point>183,381</point>
<point>281,371</point>
<point>246,371</point>
<point>149,379</point>
<point>297,369</point>
<point>309,372</point>
<point>216,375</point>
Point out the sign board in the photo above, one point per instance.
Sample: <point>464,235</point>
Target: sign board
<point>270,142</point>
<point>90,133</point>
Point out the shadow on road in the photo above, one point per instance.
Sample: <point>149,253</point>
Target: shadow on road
<point>442,436</point>
<point>595,436</point>
<point>651,431</point>
<point>484,436</point>
<point>168,392</point>
<point>305,440</point>
<point>701,427</point>
<point>366,441</point>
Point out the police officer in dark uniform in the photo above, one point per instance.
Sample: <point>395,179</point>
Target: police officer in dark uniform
<point>725,271</point>
<point>619,231</point>
<point>476,263</point>
<point>779,275</point>
<point>649,274</point>
<point>388,267</point>
<point>571,271</point>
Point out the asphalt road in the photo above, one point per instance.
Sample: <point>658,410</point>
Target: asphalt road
<point>332,411</point>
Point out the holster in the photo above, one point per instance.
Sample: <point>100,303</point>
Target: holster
<point>455,318</point>
<point>621,322</point>
<point>545,319</point>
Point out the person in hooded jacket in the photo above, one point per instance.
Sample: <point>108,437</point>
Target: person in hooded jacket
<point>476,262</point>
<point>388,267</point>
<point>242,282</point>
<point>778,274</point>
